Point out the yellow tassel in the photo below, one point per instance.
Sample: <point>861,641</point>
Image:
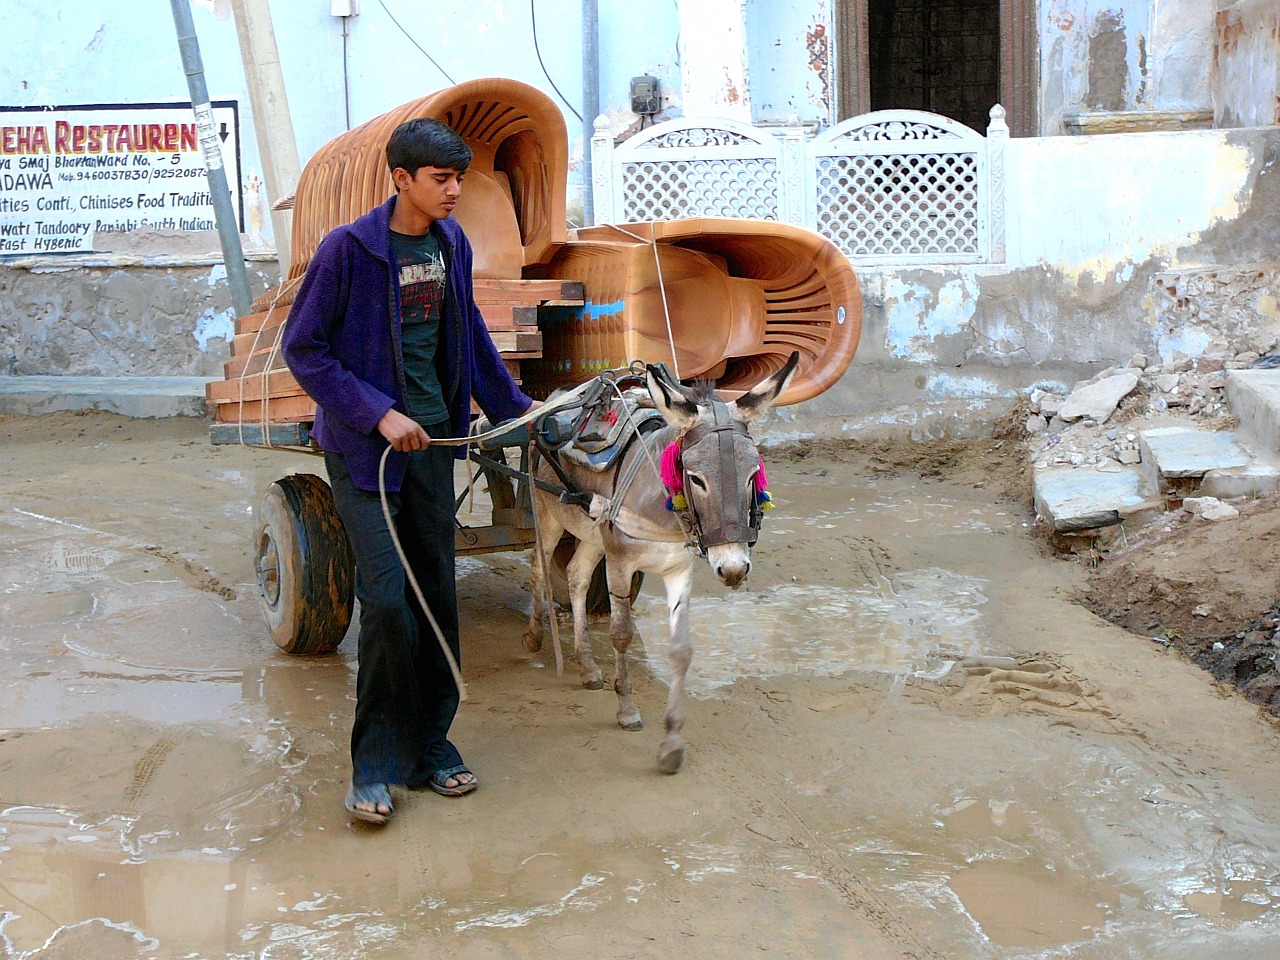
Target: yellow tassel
<point>678,501</point>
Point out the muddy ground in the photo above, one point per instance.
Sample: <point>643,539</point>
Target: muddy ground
<point>916,732</point>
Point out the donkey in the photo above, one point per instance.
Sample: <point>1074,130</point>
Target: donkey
<point>706,497</point>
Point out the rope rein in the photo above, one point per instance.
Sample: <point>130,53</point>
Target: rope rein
<point>529,417</point>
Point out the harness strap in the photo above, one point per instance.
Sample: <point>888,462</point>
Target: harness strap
<point>625,479</point>
<point>724,427</point>
<point>570,494</point>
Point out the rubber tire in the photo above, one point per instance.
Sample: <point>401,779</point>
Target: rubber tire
<point>597,590</point>
<point>304,565</point>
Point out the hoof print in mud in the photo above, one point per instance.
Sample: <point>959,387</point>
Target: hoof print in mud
<point>1025,684</point>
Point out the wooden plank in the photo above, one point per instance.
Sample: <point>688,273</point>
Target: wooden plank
<point>282,410</point>
<point>515,334</point>
<point>252,322</point>
<point>473,540</point>
<point>243,343</point>
<point>497,316</point>
<point>529,291</point>
<point>279,383</point>
<point>516,342</point>
<point>261,435</point>
<point>252,364</point>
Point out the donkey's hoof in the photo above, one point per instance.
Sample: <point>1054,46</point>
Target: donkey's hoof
<point>670,762</point>
<point>631,723</point>
<point>593,683</point>
<point>532,641</point>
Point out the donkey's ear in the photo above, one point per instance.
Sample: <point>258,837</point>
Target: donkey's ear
<point>675,407</point>
<point>756,402</point>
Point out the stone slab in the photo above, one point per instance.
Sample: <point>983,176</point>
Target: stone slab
<point>1079,498</point>
<point>146,398</point>
<point>1170,453</point>
<point>1259,479</point>
<point>1254,397</point>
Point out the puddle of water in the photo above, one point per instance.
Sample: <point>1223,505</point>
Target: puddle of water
<point>887,509</point>
<point>23,609</point>
<point>1029,903</point>
<point>979,820</point>
<point>897,627</point>
<point>1072,862</point>
<point>58,698</point>
<point>1238,901</point>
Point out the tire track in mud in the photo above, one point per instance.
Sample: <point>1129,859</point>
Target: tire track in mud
<point>189,572</point>
<point>746,782</point>
<point>145,769</point>
<point>192,574</point>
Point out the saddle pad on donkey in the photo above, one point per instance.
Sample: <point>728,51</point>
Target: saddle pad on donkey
<point>608,430</point>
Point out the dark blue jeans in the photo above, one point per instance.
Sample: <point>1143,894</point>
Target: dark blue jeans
<point>405,695</point>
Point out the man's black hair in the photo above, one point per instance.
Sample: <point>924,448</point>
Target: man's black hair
<point>427,143</point>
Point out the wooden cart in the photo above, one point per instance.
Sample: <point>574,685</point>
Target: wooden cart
<point>723,299</point>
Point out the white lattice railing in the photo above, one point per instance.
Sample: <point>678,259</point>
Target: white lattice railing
<point>692,167</point>
<point>895,186</point>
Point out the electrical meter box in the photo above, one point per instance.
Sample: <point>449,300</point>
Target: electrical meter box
<point>644,95</point>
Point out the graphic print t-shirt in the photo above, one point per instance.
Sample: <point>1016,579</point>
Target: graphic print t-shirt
<point>421,272</point>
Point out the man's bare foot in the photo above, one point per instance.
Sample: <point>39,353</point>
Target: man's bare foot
<point>370,802</point>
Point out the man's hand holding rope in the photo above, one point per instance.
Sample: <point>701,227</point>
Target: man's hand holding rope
<point>402,433</point>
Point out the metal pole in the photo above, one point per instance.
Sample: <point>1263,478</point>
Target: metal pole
<point>590,100</point>
<point>228,229</point>
<point>271,119</point>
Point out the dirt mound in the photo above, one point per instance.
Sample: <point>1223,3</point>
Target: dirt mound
<point>1207,589</point>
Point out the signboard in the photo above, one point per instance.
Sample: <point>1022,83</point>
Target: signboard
<point>69,175</point>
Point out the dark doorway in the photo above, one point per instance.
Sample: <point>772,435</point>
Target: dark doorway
<point>942,56</point>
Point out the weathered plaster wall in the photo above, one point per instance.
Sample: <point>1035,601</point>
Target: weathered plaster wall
<point>1124,56</point>
<point>791,61</point>
<point>1158,244</point>
<point>122,316</point>
<point>1245,80</point>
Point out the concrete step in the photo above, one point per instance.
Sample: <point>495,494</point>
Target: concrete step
<point>1080,499</point>
<point>1254,396</point>
<point>141,397</point>
<point>1179,462</point>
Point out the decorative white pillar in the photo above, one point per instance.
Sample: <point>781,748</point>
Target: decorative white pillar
<point>997,138</point>
<point>602,175</point>
<point>794,162</point>
<point>713,59</point>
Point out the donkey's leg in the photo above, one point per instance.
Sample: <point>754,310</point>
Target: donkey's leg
<point>581,568</point>
<point>549,531</point>
<point>620,633</point>
<point>679,584</point>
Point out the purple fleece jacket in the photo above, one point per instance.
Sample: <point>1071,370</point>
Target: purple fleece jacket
<point>342,342</point>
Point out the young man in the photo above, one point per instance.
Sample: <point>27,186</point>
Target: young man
<point>386,337</point>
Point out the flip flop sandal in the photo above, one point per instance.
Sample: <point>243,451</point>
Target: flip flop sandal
<point>374,794</point>
<point>438,782</point>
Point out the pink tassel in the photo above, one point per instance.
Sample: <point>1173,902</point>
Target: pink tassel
<point>671,478</point>
<point>762,480</point>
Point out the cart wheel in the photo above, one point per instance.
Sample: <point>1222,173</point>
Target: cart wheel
<point>597,590</point>
<point>304,564</point>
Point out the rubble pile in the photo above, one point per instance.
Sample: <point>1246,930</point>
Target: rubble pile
<point>1096,424</point>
